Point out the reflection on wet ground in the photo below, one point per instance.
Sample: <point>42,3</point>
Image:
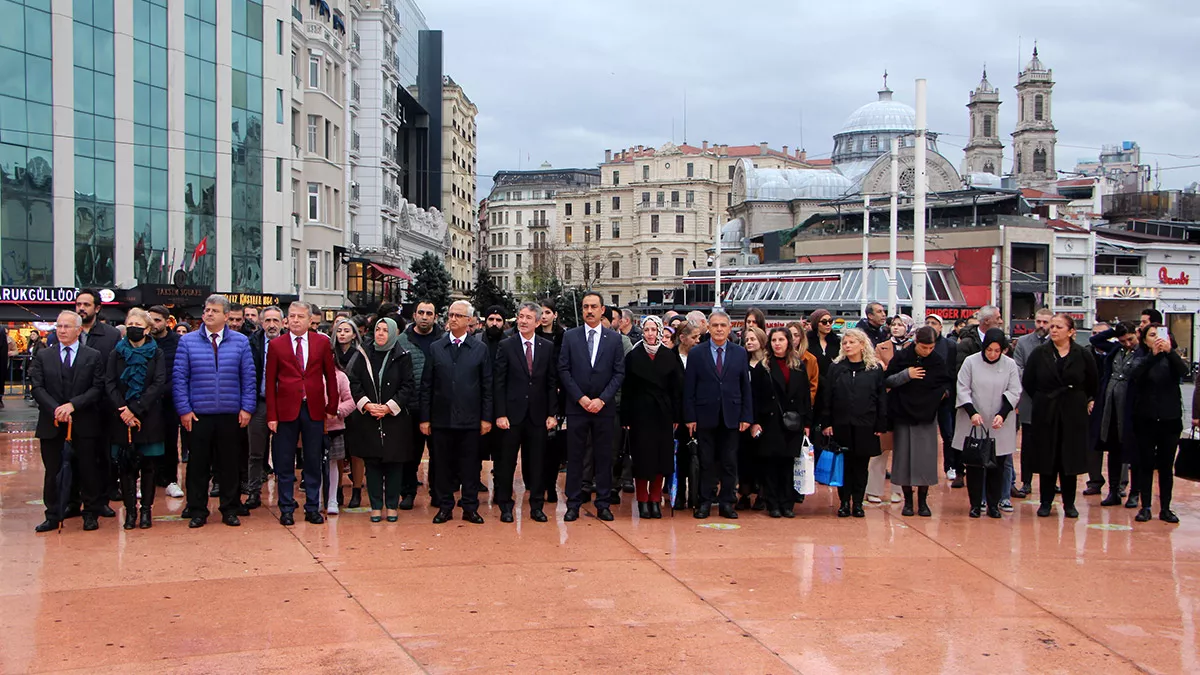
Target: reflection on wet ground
<point>815,595</point>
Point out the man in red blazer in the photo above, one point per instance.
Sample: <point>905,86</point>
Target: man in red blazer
<point>301,384</point>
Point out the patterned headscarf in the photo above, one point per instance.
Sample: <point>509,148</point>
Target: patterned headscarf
<point>652,349</point>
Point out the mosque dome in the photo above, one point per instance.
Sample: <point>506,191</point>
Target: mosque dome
<point>755,184</point>
<point>882,115</point>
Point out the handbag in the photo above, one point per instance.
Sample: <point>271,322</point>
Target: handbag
<point>979,449</point>
<point>830,468</point>
<point>802,470</point>
<point>1187,462</point>
<point>791,420</point>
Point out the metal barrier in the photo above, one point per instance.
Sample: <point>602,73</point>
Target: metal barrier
<point>17,378</point>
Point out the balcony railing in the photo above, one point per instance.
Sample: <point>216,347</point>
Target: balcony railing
<point>355,92</point>
<point>355,43</point>
<point>354,194</point>
<point>539,223</point>
<point>318,30</point>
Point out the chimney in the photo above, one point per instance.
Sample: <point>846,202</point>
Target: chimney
<point>724,149</point>
<point>704,145</point>
<point>607,156</point>
<point>762,148</point>
<point>785,151</point>
<point>801,155</point>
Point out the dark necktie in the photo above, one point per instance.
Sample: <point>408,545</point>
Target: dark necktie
<point>67,361</point>
<point>529,357</point>
<point>216,361</point>
<point>300,362</point>
<point>720,361</point>
<point>592,347</point>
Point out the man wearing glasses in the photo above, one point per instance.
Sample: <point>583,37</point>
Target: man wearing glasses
<point>456,409</point>
<point>423,332</point>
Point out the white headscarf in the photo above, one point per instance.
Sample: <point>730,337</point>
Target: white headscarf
<point>652,349</point>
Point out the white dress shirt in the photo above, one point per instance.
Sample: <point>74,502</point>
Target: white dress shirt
<point>596,341</point>
<point>303,347</point>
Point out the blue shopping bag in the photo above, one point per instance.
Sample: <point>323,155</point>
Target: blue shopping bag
<point>672,481</point>
<point>831,467</point>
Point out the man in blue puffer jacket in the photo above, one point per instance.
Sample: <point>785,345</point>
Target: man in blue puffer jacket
<point>215,397</point>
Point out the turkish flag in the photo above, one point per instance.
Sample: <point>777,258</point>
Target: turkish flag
<point>201,249</point>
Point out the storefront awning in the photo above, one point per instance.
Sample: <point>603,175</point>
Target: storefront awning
<point>391,271</point>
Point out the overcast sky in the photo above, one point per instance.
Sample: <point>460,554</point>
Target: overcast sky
<point>563,80</point>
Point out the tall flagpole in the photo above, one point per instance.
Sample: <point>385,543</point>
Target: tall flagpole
<point>866,251</point>
<point>893,297</point>
<point>918,266</point>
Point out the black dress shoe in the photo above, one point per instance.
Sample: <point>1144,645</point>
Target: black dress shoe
<point>146,521</point>
<point>46,526</point>
<point>959,482</point>
<point>243,510</point>
<point>1070,511</point>
<point>406,503</point>
<point>1132,502</point>
<point>106,511</point>
<point>197,521</point>
<point>858,512</point>
<point>551,496</point>
<point>231,520</point>
<point>844,510</point>
<point>1043,511</point>
<point>1113,499</point>
<point>727,511</point>
<point>923,511</point>
<point>473,517</point>
<point>743,503</point>
<point>644,510</point>
<point>976,512</point>
<point>702,510</point>
<point>571,515</point>
<point>1143,516</point>
<point>130,519</point>
<point>314,517</point>
<point>614,497</point>
<point>655,510</point>
<point>506,515</point>
<point>287,519</point>
<point>759,504</point>
<point>603,513</point>
<point>214,491</point>
<point>185,513</point>
<point>993,511</point>
<point>90,522</point>
<point>253,502</point>
<point>538,515</point>
<point>627,487</point>
<point>355,498</point>
<point>1091,490</point>
<point>787,513</point>
<point>442,516</point>
<point>907,510</point>
<point>774,513</point>
<point>1168,516</point>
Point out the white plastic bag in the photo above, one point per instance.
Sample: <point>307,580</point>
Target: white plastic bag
<point>802,470</point>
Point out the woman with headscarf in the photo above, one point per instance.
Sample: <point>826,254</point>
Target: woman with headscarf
<point>651,408</point>
<point>1060,376</point>
<point>989,388</point>
<point>382,385</point>
<point>136,381</point>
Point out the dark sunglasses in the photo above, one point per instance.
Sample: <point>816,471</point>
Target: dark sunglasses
<point>826,321</point>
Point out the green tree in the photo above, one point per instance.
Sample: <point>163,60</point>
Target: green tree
<point>431,281</point>
<point>569,302</point>
<point>486,293</point>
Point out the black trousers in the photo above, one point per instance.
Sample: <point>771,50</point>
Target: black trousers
<point>168,464</point>
<point>1157,442</point>
<point>982,481</point>
<point>309,434</point>
<point>528,436</point>
<point>147,467</point>
<point>1027,467</point>
<point>86,474</point>
<point>384,481</point>
<point>581,428</point>
<point>556,454</point>
<point>1046,483</point>
<point>776,480</point>
<point>454,464</point>
<point>214,444</point>
<point>750,468</point>
<point>718,450</point>
<point>854,479</point>
<point>408,475</point>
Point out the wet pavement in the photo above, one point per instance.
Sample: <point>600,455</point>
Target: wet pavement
<point>813,595</point>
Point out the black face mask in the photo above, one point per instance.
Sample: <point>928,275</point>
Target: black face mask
<point>135,333</point>
<point>494,332</point>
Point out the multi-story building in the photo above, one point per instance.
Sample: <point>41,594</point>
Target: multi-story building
<point>519,227</point>
<point>458,184</point>
<point>323,57</point>
<point>1122,164</point>
<point>652,217</point>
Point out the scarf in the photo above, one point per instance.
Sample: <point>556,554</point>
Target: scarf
<point>136,361</point>
<point>343,353</point>
<point>993,335</point>
<point>393,335</point>
<point>652,349</point>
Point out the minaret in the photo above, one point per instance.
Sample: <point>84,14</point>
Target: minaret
<point>1035,135</point>
<point>984,152</point>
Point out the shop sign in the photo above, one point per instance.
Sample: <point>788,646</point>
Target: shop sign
<point>261,299</point>
<point>1164,277</point>
<point>1127,292</point>
<point>37,295</point>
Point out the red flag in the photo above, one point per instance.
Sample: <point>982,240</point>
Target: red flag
<point>201,249</point>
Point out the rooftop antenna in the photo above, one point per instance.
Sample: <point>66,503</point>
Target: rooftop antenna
<point>1019,54</point>
<point>802,130</point>
<point>685,115</point>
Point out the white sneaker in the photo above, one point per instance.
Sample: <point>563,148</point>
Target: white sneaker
<point>332,509</point>
<point>872,499</point>
<point>896,498</point>
<point>951,474</point>
<point>174,491</point>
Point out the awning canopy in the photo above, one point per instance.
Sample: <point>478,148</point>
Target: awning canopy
<point>391,271</point>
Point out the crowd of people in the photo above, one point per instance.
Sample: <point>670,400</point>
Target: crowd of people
<point>677,409</point>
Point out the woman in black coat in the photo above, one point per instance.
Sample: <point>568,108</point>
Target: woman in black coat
<point>919,380</point>
<point>136,381</point>
<point>1157,418</point>
<point>1060,376</point>
<point>381,382</point>
<point>854,415</point>
<point>780,385</point>
<point>651,408</point>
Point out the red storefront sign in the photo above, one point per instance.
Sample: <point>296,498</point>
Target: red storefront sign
<point>1165,277</point>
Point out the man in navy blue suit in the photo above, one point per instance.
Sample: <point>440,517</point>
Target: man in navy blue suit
<point>591,367</point>
<point>717,407</point>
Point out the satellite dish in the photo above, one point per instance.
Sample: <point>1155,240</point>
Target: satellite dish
<point>180,278</point>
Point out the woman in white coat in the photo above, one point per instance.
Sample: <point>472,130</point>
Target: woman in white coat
<point>989,387</point>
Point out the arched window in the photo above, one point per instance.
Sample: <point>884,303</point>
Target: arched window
<point>1039,105</point>
<point>989,168</point>
<point>1018,163</point>
<point>987,126</point>
<point>1039,160</point>
<point>874,143</point>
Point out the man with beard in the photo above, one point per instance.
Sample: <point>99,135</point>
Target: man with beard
<point>237,319</point>
<point>167,341</point>
<point>1021,353</point>
<point>251,318</point>
<point>875,324</point>
<point>258,433</point>
<point>493,333</point>
<point>423,332</point>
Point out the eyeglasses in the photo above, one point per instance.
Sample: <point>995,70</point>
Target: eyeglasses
<point>456,315</point>
<point>825,322</point>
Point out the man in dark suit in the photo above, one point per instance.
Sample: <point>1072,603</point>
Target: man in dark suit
<point>526,404</point>
<point>167,340</point>
<point>591,367</point>
<point>717,407</point>
<point>456,409</point>
<point>301,385</point>
<point>259,435</point>
<point>68,385</point>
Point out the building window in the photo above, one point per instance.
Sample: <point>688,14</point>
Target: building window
<point>518,239</point>
<point>989,168</point>
<point>519,216</point>
<point>279,36</point>
<point>587,208</point>
<point>679,267</point>
<point>674,197</point>
<point>1039,160</point>
<point>314,268</point>
<point>568,209</point>
<point>279,106</point>
<point>597,207</point>
<point>645,198</point>
<point>518,261</point>
<point>729,199</point>
<point>616,269</point>
<point>599,227</point>
<point>616,178</point>
<point>616,204</point>
<point>597,270</point>
<point>678,224</point>
<point>660,199</point>
<point>567,237</point>
<point>654,267</point>
<point>987,126</point>
<point>654,224</point>
<point>1069,291</point>
<point>567,272</point>
<point>278,243</point>
<point>279,174</point>
<point>314,71</point>
<point>616,229</point>
<point>691,170</point>
<point>710,199</point>
<point>1119,265</point>
<point>312,133</point>
<point>731,169</point>
<point>314,202</point>
<point>645,172</point>
<point>690,196</point>
<point>1039,108</point>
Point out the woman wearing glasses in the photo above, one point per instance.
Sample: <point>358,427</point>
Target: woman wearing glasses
<point>823,343</point>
